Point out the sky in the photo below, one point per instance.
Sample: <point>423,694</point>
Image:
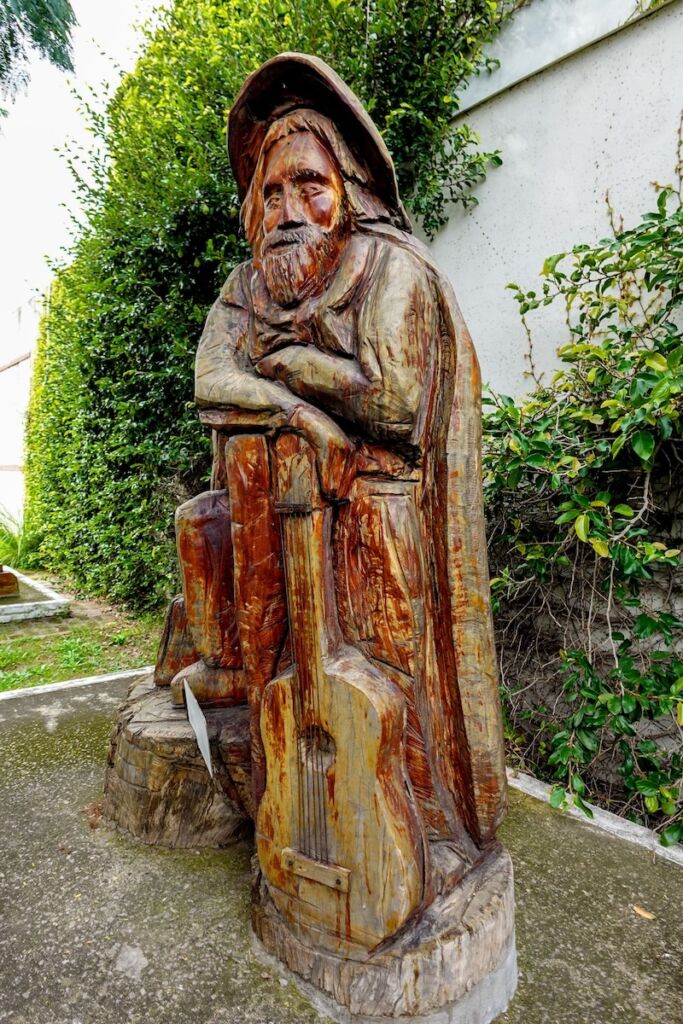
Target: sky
<point>35,189</point>
<point>34,180</point>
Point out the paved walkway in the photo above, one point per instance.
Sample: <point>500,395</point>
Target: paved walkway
<point>97,930</point>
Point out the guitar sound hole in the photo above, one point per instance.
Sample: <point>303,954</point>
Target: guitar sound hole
<point>317,749</point>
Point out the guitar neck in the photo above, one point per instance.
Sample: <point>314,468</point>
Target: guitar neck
<point>307,551</point>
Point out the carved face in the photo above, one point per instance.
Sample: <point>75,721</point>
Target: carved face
<point>301,185</point>
<point>305,220</point>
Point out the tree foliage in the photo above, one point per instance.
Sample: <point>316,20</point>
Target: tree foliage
<point>585,490</point>
<point>43,26</point>
<point>113,441</point>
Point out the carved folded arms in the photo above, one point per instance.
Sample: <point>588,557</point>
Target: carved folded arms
<point>379,387</point>
<point>224,374</point>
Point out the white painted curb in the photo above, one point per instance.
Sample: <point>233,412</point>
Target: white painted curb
<point>604,820</point>
<point>72,684</point>
<point>56,604</point>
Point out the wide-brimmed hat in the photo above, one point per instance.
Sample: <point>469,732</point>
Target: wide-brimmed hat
<point>292,81</point>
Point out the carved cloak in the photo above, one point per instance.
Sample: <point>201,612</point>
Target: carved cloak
<point>410,551</point>
<point>456,754</point>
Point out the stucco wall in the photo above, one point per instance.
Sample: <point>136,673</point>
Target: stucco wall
<point>18,330</point>
<point>604,118</point>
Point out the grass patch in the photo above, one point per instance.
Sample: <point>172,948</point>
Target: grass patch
<point>73,648</point>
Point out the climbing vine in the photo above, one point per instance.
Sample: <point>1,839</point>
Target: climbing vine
<point>584,485</point>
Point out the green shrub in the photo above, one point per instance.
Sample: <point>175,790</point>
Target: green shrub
<point>113,444</point>
<point>584,491</point>
<point>18,547</point>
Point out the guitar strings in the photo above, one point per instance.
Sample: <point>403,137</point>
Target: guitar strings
<point>321,818</point>
<point>313,830</point>
<point>323,528</point>
<point>302,678</point>
<point>304,520</point>
<point>286,532</point>
<point>310,632</point>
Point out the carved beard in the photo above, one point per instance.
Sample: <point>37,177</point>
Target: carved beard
<point>302,268</point>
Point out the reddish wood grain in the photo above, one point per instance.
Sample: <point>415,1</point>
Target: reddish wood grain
<point>333,729</point>
<point>261,611</point>
<point>337,361</point>
<point>176,647</point>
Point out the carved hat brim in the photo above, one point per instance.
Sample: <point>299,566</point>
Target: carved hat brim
<point>294,80</point>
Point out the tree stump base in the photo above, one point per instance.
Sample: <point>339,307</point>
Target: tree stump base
<point>456,964</point>
<point>157,788</point>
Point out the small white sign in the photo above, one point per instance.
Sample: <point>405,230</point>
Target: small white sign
<point>198,722</point>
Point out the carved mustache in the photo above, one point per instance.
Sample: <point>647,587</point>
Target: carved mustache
<point>295,236</point>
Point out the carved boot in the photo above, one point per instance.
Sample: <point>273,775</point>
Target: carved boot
<point>212,686</point>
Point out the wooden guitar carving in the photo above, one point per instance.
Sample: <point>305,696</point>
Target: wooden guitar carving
<point>339,839</point>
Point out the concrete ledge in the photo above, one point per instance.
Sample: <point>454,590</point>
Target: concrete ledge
<point>52,604</point>
<point>70,684</point>
<point>604,820</point>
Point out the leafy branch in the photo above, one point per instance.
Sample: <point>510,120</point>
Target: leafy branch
<point>584,495</point>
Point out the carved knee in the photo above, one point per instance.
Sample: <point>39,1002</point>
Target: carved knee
<point>204,539</point>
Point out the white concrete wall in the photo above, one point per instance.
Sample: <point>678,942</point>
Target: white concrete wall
<point>18,331</point>
<point>603,118</point>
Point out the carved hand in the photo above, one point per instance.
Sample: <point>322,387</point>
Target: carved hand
<point>284,364</point>
<point>333,381</point>
<point>335,453</point>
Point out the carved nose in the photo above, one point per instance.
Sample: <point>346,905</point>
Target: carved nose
<point>290,213</point>
<point>290,223</point>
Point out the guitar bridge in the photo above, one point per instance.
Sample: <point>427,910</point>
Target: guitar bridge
<point>331,875</point>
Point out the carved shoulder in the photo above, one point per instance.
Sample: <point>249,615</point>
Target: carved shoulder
<point>235,290</point>
<point>398,331</point>
<point>222,346</point>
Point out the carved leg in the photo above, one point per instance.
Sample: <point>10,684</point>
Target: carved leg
<point>204,538</point>
<point>176,647</point>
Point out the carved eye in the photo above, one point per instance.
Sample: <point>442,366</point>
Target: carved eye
<point>310,190</point>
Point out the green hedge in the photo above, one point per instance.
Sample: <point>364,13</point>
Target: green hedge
<point>113,444</point>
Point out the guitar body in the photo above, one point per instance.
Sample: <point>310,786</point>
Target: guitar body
<point>339,838</point>
<point>371,830</point>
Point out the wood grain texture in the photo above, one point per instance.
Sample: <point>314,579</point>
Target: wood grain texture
<point>176,647</point>
<point>204,542</point>
<point>333,729</point>
<point>452,636</point>
<point>467,935</point>
<point>261,610</point>
<point>157,788</point>
<point>335,578</point>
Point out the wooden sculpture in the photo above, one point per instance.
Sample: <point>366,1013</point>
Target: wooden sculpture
<point>338,836</point>
<point>335,577</point>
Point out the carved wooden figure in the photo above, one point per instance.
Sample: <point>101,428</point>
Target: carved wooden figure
<point>335,578</point>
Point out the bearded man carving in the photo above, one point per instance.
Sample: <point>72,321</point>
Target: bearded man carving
<point>341,329</point>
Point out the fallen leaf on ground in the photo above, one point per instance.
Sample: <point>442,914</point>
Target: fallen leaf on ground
<point>642,912</point>
<point>93,813</point>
